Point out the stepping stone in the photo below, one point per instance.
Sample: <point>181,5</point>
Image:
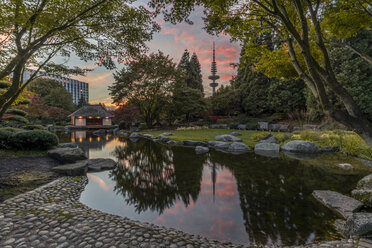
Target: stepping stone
<point>77,169</point>
<point>301,147</point>
<point>340,203</point>
<point>194,143</point>
<point>238,148</point>
<point>99,164</point>
<point>67,155</point>
<point>267,149</point>
<point>201,149</point>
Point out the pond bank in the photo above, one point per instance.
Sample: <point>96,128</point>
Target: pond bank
<point>52,216</point>
<point>21,174</point>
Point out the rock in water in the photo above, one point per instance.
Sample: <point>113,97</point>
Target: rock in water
<point>340,203</point>
<point>346,166</point>
<point>267,147</point>
<point>269,139</point>
<point>99,132</point>
<point>76,169</point>
<point>194,143</point>
<point>238,148</point>
<point>67,155</point>
<point>175,143</point>
<point>227,137</point>
<point>301,146</point>
<point>359,224</point>
<point>201,149</point>
<point>219,145</point>
<point>99,164</point>
<point>134,135</point>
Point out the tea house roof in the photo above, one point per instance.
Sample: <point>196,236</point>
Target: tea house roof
<point>91,110</point>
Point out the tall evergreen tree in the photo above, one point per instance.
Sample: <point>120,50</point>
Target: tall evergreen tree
<point>195,77</point>
<point>184,62</point>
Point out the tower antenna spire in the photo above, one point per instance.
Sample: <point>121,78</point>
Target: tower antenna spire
<point>214,75</point>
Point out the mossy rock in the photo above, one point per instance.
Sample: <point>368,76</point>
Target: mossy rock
<point>365,183</point>
<point>363,195</point>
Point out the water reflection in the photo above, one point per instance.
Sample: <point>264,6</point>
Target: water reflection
<point>245,199</point>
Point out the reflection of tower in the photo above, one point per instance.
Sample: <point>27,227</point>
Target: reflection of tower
<point>214,177</point>
<point>214,75</point>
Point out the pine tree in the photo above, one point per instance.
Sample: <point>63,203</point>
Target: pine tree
<point>184,62</point>
<point>195,76</point>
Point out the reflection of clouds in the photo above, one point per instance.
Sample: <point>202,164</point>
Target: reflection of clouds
<point>100,182</point>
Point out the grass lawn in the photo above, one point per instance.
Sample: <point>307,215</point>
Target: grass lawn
<point>348,142</point>
<point>21,153</point>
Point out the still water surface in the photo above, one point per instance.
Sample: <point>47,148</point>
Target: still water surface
<point>239,198</point>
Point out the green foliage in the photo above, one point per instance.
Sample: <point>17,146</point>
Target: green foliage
<point>123,125</point>
<point>33,127</point>
<point>16,112</point>
<point>189,71</point>
<point>226,101</point>
<point>16,118</point>
<point>145,83</point>
<point>10,129</point>
<point>4,137</point>
<point>35,139</point>
<point>42,87</point>
<point>187,102</point>
<point>60,98</point>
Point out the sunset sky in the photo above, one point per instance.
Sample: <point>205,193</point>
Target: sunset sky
<point>173,40</point>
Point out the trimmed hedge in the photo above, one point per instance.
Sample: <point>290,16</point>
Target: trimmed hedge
<point>33,127</point>
<point>16,118</point>
<point>16,112</point>
<point>35,139</point>
<point>4,138</point>
<point>10,129</point>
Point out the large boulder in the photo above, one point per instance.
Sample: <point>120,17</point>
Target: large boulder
<point>301,146</point>
<point>67,155</point>
<point>269,139</point>
<point>75,169</point>
<point>227,137</point>
<point>337,202</point>
<point>238,148</point>
<point>148,136</point>
<point>67,145</point>
<point>122,134</point>
<point>359,224</point>
<point>363,191</point>
<point>194,143</point>
<point>219,145</point>
<point>175,143</point>
<point>99,164</point>
<point>267,147</point>
<point>263,125</point>
<point>135,135</point>
<point>242,127</point>
<point>201,149</point>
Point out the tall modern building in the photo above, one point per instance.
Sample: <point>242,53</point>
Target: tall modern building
<point>76,88</point>
<point>214,75</point>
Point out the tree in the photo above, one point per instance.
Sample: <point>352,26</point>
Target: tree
<point>188,102</point>
<point>145,83</point>
<point>82,101</point>
<point>302,31</point>
<point>226,101</point>
<point>195,79</point>
<point>33,32</point>
<point>42,87</point>
<point>61,98</point>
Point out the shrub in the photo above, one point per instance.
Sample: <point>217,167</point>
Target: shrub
<point>35,139</point>
<point>34,127</point>
<point>123,125</point>
<point>16,112</point>
<point>142,125</point>
<point>16,118</point>
<point>10,129</point>
<point>4,137</point>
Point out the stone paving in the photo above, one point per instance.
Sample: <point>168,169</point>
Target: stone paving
<point>52,216</point>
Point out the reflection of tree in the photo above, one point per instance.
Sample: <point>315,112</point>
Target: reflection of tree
<point>147,178</point>
<point>275,197</point>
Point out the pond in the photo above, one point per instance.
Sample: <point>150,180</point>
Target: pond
<point>246,199</point>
